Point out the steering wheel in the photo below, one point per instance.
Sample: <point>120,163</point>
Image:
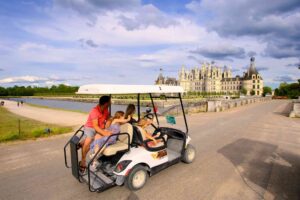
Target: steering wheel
<point>157,130</point>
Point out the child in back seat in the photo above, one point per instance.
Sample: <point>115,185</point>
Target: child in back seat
<point>114,126</point>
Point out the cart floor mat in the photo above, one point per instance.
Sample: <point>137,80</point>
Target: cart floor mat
<point>98,180</point>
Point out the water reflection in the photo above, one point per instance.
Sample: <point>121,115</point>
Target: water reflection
<point>69,105</point>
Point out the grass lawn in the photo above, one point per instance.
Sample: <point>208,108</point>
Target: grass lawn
<point>29,129</point>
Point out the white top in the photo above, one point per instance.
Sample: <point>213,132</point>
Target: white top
<point>127,89</point>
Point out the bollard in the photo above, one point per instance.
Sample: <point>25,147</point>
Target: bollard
<point>19,126</point>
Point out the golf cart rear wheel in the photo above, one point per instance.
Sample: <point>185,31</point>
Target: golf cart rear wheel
<point>137,178</point>
<point>189,154</point>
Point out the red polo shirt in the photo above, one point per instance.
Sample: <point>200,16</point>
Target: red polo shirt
<point>96,113</point>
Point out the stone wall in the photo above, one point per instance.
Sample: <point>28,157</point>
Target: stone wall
<point>222,105</point>
<point>296,108</point>
<point>189,107</point>
<point>213,105</point>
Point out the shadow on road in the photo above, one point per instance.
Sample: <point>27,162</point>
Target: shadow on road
<point>262,164</point>
<point>132,196</point>
<point>286,110</point>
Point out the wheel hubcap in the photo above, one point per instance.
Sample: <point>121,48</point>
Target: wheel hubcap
<point>139,179</point>
<point>191,154</point>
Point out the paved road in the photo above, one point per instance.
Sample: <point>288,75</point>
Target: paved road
<point>252,152</point>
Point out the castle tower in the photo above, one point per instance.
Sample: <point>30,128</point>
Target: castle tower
<point>182,74</point>
<point>160,80</point>
<point>253,82</point>
<point>252,69</point>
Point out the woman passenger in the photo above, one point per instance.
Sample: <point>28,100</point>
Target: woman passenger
<point>130,111</point>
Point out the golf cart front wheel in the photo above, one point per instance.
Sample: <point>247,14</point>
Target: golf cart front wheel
<point>137,178</point>
<point>189,154</point>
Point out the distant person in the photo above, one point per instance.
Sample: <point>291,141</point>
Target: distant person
<point>148,109</point>
<point>155,109</point>
<point>95,124</point>
<point>22,102</point>
<point>18,103</point>
<point>2,103</point>
<point>130,111</point>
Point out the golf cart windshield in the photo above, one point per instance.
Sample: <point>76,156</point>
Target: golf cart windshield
<point>163,102</point>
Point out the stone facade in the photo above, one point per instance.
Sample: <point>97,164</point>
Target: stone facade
<point>161,80</point>
<point>214,79</point>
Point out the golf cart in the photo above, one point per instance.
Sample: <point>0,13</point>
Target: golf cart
<point>131,159</point>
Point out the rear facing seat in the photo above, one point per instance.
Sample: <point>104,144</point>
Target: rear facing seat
<point>142,131</point>
<point>122,142</point>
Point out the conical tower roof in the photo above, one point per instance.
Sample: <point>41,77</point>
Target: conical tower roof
<point>251,70</point>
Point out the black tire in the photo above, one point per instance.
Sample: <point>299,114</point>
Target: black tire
<point>137,172</point>
<point>189,154</point>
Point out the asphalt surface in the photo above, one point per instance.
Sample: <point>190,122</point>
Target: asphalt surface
<point>251,152</point>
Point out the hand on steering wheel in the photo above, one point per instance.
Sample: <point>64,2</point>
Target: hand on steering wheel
<point>157,130</point>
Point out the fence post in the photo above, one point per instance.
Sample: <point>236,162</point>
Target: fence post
<point>19,126</point>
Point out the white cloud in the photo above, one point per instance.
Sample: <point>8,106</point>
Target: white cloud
<point>109,31</point>
<point>28,79</point>
<point>22,79</point>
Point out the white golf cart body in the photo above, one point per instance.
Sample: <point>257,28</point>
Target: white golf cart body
<point>150,159</point>
<point>131,155</point>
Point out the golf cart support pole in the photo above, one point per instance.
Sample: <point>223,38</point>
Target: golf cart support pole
<point>65,147</point>
<point>186,126</point>
<point>154,110</point>
<point>138,105</point>
<point>109,109</point>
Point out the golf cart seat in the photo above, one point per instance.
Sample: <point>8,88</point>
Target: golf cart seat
<point>141,131</point>
<point>122,142</point>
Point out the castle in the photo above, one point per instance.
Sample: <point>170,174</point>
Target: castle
<point>212,79</point>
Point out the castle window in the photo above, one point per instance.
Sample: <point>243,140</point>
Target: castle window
<point>258,81</point>
<point>253,87</point>
<point>253,81</point>
<point>257,86</point>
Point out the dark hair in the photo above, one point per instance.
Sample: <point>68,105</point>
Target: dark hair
<point>129,110</point>
<point>103,100</point>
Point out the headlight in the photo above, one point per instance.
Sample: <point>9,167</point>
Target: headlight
<point>122,165</point>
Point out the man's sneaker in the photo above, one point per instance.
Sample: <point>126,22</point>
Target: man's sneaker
<point>95,166</point>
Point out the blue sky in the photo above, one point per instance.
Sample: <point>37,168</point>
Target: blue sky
<point>109,41</point>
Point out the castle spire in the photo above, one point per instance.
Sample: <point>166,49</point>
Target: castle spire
<point>252,69</point>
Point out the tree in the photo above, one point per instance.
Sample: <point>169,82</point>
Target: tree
<point>3,91</point>
<point>252,92</point>
<point>243,91</point>
<point>290,90</point>
<point>267,90</point>
<point>276,92</point>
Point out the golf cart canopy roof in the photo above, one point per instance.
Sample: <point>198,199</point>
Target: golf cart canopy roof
<point>128,89</point>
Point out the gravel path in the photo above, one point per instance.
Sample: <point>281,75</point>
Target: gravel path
<point>60,117</point>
